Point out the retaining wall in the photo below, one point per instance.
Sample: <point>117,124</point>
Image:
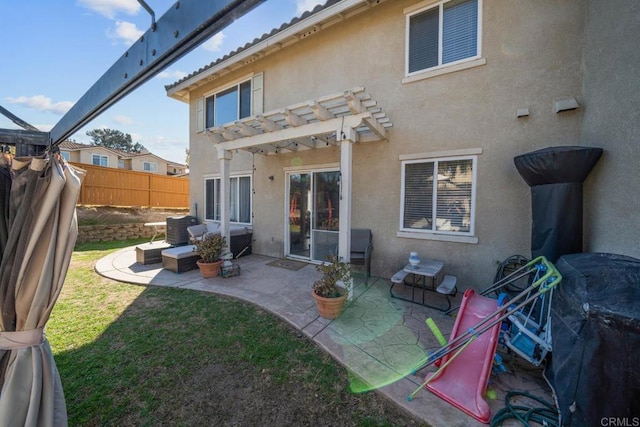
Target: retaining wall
<point>108,233</point>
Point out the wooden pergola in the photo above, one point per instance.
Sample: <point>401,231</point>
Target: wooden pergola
<point>340,119</point>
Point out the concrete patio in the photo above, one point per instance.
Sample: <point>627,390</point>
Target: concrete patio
<point>379,339</point>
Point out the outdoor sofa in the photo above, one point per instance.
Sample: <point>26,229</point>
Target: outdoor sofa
<point>241,236</point>
<point>183,258</point>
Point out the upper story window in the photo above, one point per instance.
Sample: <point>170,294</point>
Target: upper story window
<point>121,163</point>
<point>150,166</point>
<point>444,33</point>
<point>99,160</point>
<point>240,206</point>
<point>229,105</point>
<point>438,196</point>
<point>240,100</point>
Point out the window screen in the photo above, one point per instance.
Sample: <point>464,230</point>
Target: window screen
<point>240,199</point>
<point>423,40</point>
<point>445,33</point>
<point>228,105</point>
<point>459,30</point>
<point>438,201</point>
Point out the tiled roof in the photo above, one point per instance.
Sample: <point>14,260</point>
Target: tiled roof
<point>72,146</point>
<point>265,36</point>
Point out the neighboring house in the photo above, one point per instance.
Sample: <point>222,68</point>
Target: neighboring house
<point>404,117</point>
<point>177,169</point>
<point>107,157</point>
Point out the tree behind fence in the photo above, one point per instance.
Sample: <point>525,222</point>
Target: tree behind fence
<point>119,187</point>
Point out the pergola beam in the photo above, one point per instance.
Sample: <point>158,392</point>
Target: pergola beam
<point>182,28</point>
<point>355,105</point>
<point>320,112</point>
<point>246,130</point>
<point>293,119</point>
<point>306,125</point>
<point>294,133</point>
<point>376,127</point>
<point>268,124</point>
<point>17,120</point>
<point>306,141</point>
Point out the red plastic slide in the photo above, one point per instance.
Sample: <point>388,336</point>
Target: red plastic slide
<point>464,381</point>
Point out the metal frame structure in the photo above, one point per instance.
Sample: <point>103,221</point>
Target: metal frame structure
<point>183,27</point>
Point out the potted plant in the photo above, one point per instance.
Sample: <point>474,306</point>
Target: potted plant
<point>332,289</point>
<point>210,248</point>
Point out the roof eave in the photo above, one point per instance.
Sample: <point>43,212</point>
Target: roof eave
<point>296,32</point>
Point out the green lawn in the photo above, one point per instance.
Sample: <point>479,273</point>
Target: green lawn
<point>132,355</point>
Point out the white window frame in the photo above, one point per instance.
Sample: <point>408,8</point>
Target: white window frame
<point>100,157</point>
<point>237,213</point>
<point>462,64</point>
<point>151,166</point>
<point>256,99</point>
<point>442,235</point>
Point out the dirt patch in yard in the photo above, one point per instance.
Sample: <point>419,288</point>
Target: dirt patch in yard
<point>239,395</point>
<point>106,215</point>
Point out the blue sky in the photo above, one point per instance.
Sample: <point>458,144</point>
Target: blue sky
<point>53,51</point>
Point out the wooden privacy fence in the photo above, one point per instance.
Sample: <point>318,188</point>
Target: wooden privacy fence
<point>119,187</point>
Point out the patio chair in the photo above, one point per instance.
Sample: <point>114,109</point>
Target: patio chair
<point>361,247</point>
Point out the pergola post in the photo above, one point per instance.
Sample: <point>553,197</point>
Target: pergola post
<point>344,233</point>
<point>225,193</point>
<point>346,163</point>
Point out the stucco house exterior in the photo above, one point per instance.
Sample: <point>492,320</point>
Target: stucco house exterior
<point>106,157</point>
<point>404,116</point>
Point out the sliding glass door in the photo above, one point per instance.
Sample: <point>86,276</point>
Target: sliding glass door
<point>299,215</point>
<point>313,207</point>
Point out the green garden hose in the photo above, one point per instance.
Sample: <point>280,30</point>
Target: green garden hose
<point>546,415</point>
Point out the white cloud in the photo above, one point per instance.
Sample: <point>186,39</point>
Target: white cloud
<point>109,8</point>
<point>172,74</point>
<point>214,44</point>
<point>304,5</point>
<point>125,32</point>
<point>136,137</point>
<point>42,103</point>
<point>123,120</point>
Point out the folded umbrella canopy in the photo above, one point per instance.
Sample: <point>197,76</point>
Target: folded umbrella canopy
<point>42,230</point>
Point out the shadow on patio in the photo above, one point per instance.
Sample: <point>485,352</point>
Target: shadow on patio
<point>379,339</point>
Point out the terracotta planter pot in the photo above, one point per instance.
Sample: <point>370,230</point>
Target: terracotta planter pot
<point>209,269</point>
<point>329,308</point>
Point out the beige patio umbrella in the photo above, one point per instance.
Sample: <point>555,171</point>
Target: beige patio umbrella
<point>42,233</point>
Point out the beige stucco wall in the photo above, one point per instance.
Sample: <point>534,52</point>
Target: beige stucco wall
<point>533,54</point>
<point>612,122</point>
<point>137,164</point>
<point>74,156</point>
<point>86,156</point>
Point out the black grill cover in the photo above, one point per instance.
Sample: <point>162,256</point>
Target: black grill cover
<point>595,327</point>
<point>555,175</point>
